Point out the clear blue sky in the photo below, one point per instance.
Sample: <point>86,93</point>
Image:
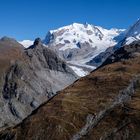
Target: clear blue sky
<point>28,19</point>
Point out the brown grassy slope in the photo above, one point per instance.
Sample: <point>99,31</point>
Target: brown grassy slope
<point>123,123</point>
<point>65,115</point>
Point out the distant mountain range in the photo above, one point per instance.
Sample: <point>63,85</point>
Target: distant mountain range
<point>127,37</point>
<point>86,46</point>
<point>79,43</point>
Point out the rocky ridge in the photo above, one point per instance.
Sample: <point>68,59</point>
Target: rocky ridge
<point>129,36</point>
<point>28,78</point>
<point>103,105</point>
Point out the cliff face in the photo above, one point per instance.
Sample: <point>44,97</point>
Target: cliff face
<point>28,78</point>
<point>103,105</point>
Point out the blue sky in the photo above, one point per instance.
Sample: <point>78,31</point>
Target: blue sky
<point>28,19</point>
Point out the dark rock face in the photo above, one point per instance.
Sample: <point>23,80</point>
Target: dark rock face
<point>112,52</point>
<point>99,59</point>
<point>49,37</point>
<point>28,78</point>
<point>104,105</point>
<point>10,87</point>
<point>126,52</point>
<point>37,41</point>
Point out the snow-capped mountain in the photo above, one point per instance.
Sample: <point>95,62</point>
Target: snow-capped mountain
<point>26,43</point>
<point>79,43</point>
<point>82,45</point>
<point>70,36</point>
<point>127,37</point>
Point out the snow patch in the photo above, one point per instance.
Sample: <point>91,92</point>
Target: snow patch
<point>129,40</point>
<point>79,71</point>
<point>26,43</point>
<point>133,33</point>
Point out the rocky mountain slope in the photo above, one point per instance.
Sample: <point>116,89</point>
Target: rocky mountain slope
<point>28,78</point>
<point>104,105</point>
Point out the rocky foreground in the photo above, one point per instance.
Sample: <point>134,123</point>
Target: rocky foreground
<point>28,77</point>
<point>104,105</point>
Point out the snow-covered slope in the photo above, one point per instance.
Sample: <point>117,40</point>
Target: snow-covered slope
<point>26,43</point>
<point>71,35</point>
<point>127,37</point>
<point>79,71</point>
<point>133,33</point>
<point>85,44</point>
<point>80,43</point>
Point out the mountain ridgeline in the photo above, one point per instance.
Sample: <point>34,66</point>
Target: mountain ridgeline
<point>80,41</point>
<point>43,99</point>
<point>104,105</point>
<point>125,38</point>
<point>85,46</point>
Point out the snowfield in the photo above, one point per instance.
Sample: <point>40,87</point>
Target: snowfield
<point>79,71</point>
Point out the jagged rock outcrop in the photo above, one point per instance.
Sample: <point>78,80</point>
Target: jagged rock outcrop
<point>125,52</point>
<point>28,78</point>
<point>103,105</point>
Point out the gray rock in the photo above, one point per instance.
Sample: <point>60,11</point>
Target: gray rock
<point>30,81</point>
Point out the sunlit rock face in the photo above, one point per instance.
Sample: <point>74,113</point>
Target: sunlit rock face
<point>28,77</point>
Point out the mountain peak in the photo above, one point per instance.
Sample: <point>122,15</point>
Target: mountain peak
<point>5,38</point>
<point>10,43</point>
<point>89,36</point>
<point>77,32</point>
<point>132,33</point>
<point>37,41</point>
